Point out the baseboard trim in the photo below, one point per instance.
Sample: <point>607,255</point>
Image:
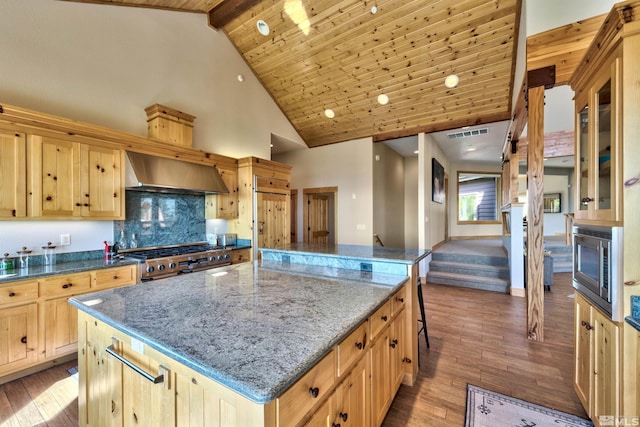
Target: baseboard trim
<point>474,237</point>
<point>518,292</point>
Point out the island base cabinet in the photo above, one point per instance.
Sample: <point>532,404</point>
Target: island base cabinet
<point>112,393</point>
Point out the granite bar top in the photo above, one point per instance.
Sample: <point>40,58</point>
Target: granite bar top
<point>255,328</point>
<point>366,253</point>
<point>36,271</point>
<point>633,321</point>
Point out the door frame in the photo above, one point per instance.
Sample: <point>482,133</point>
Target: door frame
<point>333,192</point>
<point>294,216</point>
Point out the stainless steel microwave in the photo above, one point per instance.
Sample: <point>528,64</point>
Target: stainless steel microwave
<point>597,267</point>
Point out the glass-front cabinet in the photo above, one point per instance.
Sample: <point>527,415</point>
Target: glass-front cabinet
<point>597,147</point>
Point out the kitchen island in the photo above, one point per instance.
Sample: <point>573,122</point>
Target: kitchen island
<point>270,343</point>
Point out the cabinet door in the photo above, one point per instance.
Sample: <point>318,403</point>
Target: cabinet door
<point>583,361</point>
<point>380,377</point>
<point>102,183</point>
<point>396,343</point>
<point>606,387</point>
<point>18,336</point>
<point>61,327</point>
<point>227,204</point>
<point>273,219</point>
<point>582,157</point>
<point>352,396</point>
<point>13,170</point>
<point>54,178</point>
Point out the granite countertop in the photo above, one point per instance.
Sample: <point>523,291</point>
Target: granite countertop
<point>37,271</point>
<point>255,328</point>
<point>634,319</point>
<point>370,253</point>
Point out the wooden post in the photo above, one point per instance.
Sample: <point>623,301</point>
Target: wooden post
<point>535,232</point>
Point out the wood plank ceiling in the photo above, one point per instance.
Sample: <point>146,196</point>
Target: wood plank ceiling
<point>339,55</point>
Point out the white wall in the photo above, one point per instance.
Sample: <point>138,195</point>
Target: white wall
<point>349,167</point>
<point>103,65</point>
<point>543,15</point>
<point>411,202</point>
<point>431,215</point>
<point>388,196</point>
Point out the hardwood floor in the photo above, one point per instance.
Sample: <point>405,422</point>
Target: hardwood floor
<point>479,337</point>
<point>476,337</point>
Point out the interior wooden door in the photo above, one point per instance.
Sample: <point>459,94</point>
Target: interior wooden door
<point>272,220</point>
<point>318,230</point>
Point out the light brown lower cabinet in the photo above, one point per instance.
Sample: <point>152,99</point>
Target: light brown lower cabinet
<point>597,361</point>
<point>37,324</point>
<point>112,393</point>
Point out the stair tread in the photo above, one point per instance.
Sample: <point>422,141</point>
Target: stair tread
<point>469,277</point>
<point>467,265</point>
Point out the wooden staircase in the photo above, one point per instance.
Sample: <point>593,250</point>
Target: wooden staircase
<point>490,273</point>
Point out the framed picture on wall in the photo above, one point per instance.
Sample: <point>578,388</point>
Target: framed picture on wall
<point>551,203</point>
<point>437,187</point>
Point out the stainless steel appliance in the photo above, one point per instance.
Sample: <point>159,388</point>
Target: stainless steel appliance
<point>227,239</point>
<point>597,266</point>
<point>165,261</point>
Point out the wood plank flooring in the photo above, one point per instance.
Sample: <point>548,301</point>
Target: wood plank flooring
<point>479,337</point>
<point>476,337</point>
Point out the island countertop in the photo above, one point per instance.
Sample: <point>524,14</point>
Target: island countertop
<point>253,327</point>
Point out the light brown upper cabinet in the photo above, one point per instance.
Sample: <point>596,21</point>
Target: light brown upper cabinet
<point>71,180</point>
<point>224,206</point>
<point>13,185</point>
<point>597,146</point>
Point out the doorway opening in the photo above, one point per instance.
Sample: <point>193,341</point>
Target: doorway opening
<point>319,215</point>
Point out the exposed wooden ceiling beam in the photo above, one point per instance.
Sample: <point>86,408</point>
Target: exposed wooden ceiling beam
<point>227,11</point>
<point>556,144</point>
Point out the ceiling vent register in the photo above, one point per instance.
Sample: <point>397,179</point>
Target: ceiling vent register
<point>468,133</point>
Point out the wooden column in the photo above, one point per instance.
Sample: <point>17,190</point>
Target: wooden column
<point>535,233</point>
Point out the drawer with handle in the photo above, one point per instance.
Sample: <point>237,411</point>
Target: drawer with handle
<point>116,276</point>
<point>307,392</point>
<point>18,292</point>
<point>353,347</point>
<point>380,319</point>
<point>398,301</point>
<point>68,284</point>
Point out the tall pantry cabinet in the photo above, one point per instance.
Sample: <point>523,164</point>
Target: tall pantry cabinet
<point>263,203</point>
<point>607,95</point>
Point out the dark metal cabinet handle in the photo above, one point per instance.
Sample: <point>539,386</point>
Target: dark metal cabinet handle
<point>67,285</point>
<point>399,299</point>
<point>314,391</point>
<point>344,416</point>
<point>384,318</point>
<point>23,340</point>
<point>12,294</point>
<point>359,345</point>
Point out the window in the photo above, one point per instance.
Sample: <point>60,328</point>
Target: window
<point>478,197</point>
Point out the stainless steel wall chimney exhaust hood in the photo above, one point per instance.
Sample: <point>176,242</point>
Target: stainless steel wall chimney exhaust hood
<point>145,172</point>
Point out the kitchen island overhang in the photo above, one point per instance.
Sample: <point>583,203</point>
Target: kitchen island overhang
<point>253,329</point>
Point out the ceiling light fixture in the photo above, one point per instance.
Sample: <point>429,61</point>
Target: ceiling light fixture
<point>329,113</point>
<point>383,99</point>
<point>240,78</point>
<point>263,27</point>
<point>451,81</point>
<point>416,152</point>
<point>374,10</point>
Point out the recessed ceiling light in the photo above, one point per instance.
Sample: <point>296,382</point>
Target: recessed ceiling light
<point>451,81</point>
<point>471,149</point>
<point>329,113</point>
<point>416,152</point>
<point>271,145</point>
<point>263,27</point>
<point>374,10</point>
<point>240,78</point>
<point>383,99</point>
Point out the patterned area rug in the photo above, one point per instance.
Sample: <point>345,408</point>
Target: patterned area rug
<point>489,409</point>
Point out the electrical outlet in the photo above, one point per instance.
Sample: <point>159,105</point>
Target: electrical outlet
<point>65,239</point>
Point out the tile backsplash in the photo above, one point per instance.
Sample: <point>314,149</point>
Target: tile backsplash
<point>635,306</point>
<point>162,219</point>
